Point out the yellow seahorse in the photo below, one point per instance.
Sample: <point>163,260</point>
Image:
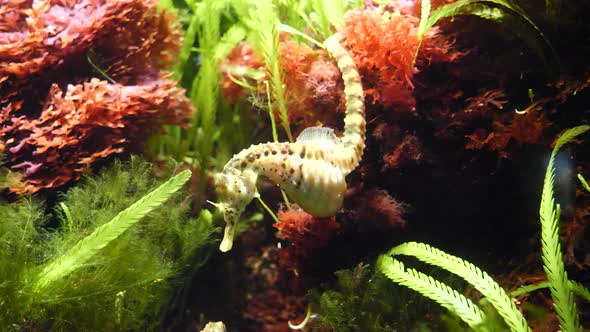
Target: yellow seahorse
<point>311,170</point>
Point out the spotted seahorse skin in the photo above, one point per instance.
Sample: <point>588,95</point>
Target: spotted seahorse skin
<point>312,170</point>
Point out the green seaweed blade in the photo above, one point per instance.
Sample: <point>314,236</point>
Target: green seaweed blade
<point>85,249</point>
<point>561,292</point>
<point>470,273</point>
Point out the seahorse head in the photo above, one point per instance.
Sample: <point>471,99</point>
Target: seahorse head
<point>235,189</point>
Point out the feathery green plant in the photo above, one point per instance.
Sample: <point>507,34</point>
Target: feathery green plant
<point>205,87</point>
<point>562,289</point>
<point>433,289</point>
<point>444,295</point>
<point>563,299</point>
<point>88,247</point>
<point>210,34</point>
<point>264,23</point>
<point>96,271</point>
<point>317,16</point>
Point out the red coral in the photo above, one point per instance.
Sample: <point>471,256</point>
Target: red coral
<point>44,48</point>
<point>305,233</point>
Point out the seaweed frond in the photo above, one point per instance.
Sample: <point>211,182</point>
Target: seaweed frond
<point>126,283</point>
<point>264,23</point>
<point>433,289</point>
<point>472,274</point>
<point>85,249</point>
<point>549,212</point>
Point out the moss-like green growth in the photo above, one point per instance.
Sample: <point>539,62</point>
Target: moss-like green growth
<point>125,284</point>
<point>365,300</point>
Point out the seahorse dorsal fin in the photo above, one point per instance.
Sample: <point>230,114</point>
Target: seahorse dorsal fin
<point>318,134</point>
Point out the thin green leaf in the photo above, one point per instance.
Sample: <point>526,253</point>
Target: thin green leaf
<point>187,44</point>
<point>293,31</point>
<point>425,12</point>
<point>576,287</point>
<point>529,288</point>
<point>584,183</point>
<point>83,251</point>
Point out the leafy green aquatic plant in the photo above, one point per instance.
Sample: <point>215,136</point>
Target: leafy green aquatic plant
<point>363,299</point>
<point>264,22</point>
<point>562,294</point>
<point>87,248</point>
<point>562,289</point>
<point>445,295</point>
<point>102,269</point>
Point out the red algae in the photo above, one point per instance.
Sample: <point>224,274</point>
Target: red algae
<point>305,235</point>
<point>57,117</point>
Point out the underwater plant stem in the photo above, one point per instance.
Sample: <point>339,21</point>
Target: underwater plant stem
<point>529,288</point>
<point>576,287</point>
<point>89,57</point>
<point>275,136</point>
<point>584,183</point>
<point>278,91</point>
<point>265,23</point>
<point>272,214</point>
<point>187,44</point>
<point>301,325</point>
<point>286,199</point>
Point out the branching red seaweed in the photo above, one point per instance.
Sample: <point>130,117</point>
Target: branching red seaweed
<point>305,233</point>
<point>57,117</point>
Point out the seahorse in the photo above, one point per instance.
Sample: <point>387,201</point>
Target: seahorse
<point>311,170</point>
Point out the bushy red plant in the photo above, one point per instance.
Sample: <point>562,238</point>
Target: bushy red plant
<point>313,86</point>
<point>241,56</point>
<point>375,207</point>
<point>305,234</point>
<point>384,49</point>
<point>58,112</point>
<point>88,122</point>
